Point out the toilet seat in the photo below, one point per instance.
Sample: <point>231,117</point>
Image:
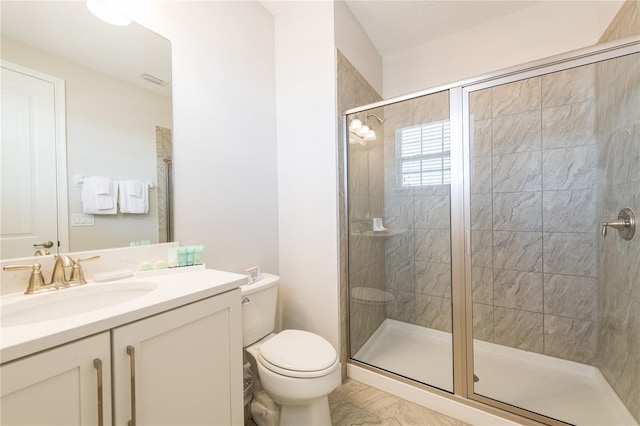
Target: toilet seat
<point>298,353</point>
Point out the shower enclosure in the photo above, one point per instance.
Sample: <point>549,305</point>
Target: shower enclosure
<point>477,262</point>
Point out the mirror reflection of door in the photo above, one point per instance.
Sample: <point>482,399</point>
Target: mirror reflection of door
<point>31,128</point>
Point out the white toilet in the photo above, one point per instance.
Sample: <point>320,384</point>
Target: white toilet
<point>298,369</point>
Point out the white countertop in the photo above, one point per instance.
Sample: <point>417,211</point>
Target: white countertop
<point>173,288</point>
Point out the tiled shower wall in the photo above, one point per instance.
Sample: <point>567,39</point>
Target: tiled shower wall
<point>533,214</point>
<point>353,90</point>
<point>418,254</point>
<point>164,152</point>
<point>618,129</point>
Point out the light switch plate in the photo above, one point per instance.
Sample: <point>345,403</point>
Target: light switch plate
<point>81,219</point>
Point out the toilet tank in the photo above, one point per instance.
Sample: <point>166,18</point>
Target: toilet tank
<point>259,301</point>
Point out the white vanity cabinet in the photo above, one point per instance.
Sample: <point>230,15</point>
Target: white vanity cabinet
<point>60,386</point>
<point>182,367</point>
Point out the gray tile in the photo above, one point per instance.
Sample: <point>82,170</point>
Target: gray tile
<point>401,245</point>
<point>433,246</point>
<point>400,274</point>
<point>431,108</point>
<point>570,254</point>
<point>483,322</point>
<point>569,211</point>
<point>521,251</point>
<point>569,168</point>
<point>433,312</point>
<point>433,279</point>
<point>363,321</point>
<point>518,290</point>
<point>517,172</point>
<point>633,330</point>
<point>571,296</point>
<point>570,338</point>
<point>517,211</point>
<point>481,212</point>
<point>481,138</point>
<point>398,212</point>
<point>432,212</point>
<point>481,248</point>
<point>517,133</point>
<point>626,161</point>
<point>519,96</point>
<point>481,175</point>
<point>569,86</point>
<point>403,306</point>
<point>480,104</point>
<point>482,285</point>
<point>569,125</point>
<point>518,329</point>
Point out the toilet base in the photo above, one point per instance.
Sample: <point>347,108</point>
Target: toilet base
<point>315,413</point>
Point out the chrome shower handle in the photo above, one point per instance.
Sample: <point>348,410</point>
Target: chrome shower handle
<point>625,224</point>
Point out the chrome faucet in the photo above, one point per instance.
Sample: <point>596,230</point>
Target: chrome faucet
<point>59,278</point>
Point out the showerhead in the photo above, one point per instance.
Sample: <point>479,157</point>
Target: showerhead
<point>380,120</point>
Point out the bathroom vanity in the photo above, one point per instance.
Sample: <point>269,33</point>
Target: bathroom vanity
<point>168,350</point>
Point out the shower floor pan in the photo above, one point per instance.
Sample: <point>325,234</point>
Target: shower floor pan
<point>566,390</point>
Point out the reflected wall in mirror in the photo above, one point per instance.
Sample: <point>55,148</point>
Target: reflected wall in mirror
<point>113,122</point>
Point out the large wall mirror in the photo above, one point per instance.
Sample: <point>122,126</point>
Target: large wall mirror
<point>81,99</point>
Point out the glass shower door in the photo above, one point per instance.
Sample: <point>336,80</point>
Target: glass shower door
<point>399,242</point>
<point>551,157</point>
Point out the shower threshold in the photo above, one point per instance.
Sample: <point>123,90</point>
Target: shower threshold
<point>565,390</point>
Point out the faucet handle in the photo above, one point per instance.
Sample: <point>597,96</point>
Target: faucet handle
<point>76,270</point>
<point>36,280</point>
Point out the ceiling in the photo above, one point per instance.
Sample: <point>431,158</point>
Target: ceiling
<point>67,29</point>
<point>395,26</point>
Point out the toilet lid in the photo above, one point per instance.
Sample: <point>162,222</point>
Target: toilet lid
<point>298,350</point>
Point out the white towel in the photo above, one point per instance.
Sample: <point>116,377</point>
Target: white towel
<point>134,196</point>
<point>99,195</point>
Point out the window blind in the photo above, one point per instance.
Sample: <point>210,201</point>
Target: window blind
<point>424,156</point>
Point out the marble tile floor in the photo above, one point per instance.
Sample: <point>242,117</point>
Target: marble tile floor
<point>357,404</point>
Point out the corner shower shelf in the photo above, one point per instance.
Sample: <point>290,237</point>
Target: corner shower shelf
<point>379,234</point>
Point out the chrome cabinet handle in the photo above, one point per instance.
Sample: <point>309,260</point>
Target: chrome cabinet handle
<point>97,363</point>
<point>45,244</point>
<point>132,359</point>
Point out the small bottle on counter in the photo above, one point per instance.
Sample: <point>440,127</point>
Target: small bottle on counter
<point>182,256</point>
<point>198,255</point>
<point>172,257</point>
<point>190,253</point>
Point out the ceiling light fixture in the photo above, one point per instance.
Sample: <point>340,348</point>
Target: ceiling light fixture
<point>107,13</point>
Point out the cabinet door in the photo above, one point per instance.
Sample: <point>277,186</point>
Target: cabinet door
<point>59,386</point>
<point>186,364</point>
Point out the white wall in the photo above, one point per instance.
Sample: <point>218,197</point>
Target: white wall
<point>225,179</point>
<point>307,167</point>
<point>356,46</point>
<point>546,29</point>
<point>110,128</point>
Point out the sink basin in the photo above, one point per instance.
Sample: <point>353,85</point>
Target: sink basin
<point>65,303</point>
